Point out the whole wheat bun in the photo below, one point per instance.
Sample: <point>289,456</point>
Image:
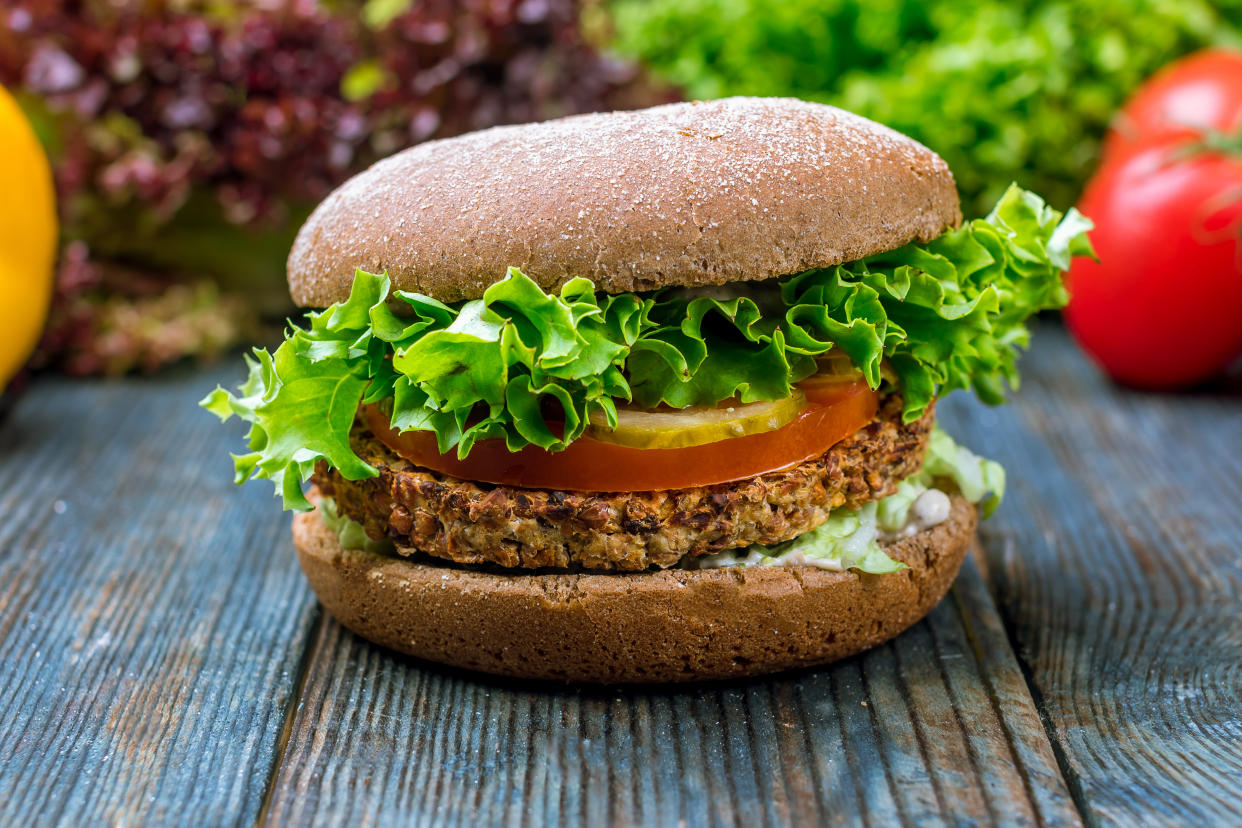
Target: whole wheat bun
<point>683,194</point>
<point>670,625</point>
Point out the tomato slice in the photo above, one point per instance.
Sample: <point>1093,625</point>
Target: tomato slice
<point>827,389</point>
<point>594,466</point>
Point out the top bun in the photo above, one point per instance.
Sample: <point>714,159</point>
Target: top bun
<point>682,194</point>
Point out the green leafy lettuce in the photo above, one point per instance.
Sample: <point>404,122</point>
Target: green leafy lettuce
<point>850,538</point>
<point>531,367</point>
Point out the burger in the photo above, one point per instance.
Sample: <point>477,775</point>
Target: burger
<point>644,396</point>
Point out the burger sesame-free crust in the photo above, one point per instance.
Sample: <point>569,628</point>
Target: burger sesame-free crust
<point>670,625</point>
<point>682,194</point>
<point>474,523</point>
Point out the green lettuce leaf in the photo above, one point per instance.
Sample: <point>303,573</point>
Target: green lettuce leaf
<point>531,367</point>
<point>847,540</point>
<point>979,479</point>
<point>349,532</point>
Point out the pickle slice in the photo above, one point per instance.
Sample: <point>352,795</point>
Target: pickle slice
<point>669,429</point>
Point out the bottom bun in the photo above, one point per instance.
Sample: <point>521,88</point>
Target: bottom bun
<point>669,625</point>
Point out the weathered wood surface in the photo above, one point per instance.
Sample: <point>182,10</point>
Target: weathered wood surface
<point>1117,564</point>
<point>152,621</point>
<point>162,660</point>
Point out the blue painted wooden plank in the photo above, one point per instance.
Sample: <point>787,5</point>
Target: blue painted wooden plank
<point>152,616</point>
<point>1117,562</point>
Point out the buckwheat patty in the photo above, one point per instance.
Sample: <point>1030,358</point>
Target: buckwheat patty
<point>475,523</point>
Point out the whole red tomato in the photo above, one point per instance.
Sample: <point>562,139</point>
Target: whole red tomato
<point>1163,306</point>
<point>1198,93</point>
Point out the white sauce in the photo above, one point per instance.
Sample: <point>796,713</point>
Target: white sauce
<point>931,508</point>
<point>794,557</point>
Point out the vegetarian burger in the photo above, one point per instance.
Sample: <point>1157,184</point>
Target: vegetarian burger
<point>644,396</point>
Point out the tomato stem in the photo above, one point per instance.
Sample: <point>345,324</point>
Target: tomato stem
<point>1213,141</point>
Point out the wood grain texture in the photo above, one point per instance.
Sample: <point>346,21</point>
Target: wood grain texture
<point>152,617</point>
<point>1117,562</point>
<point>936,725</point>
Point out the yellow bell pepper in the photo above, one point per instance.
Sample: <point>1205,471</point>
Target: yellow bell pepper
<point>27,238</point>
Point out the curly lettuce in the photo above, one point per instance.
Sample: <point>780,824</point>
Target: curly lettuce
<point>532,367</point>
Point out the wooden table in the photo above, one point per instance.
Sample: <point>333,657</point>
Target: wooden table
<point>163,661</point>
